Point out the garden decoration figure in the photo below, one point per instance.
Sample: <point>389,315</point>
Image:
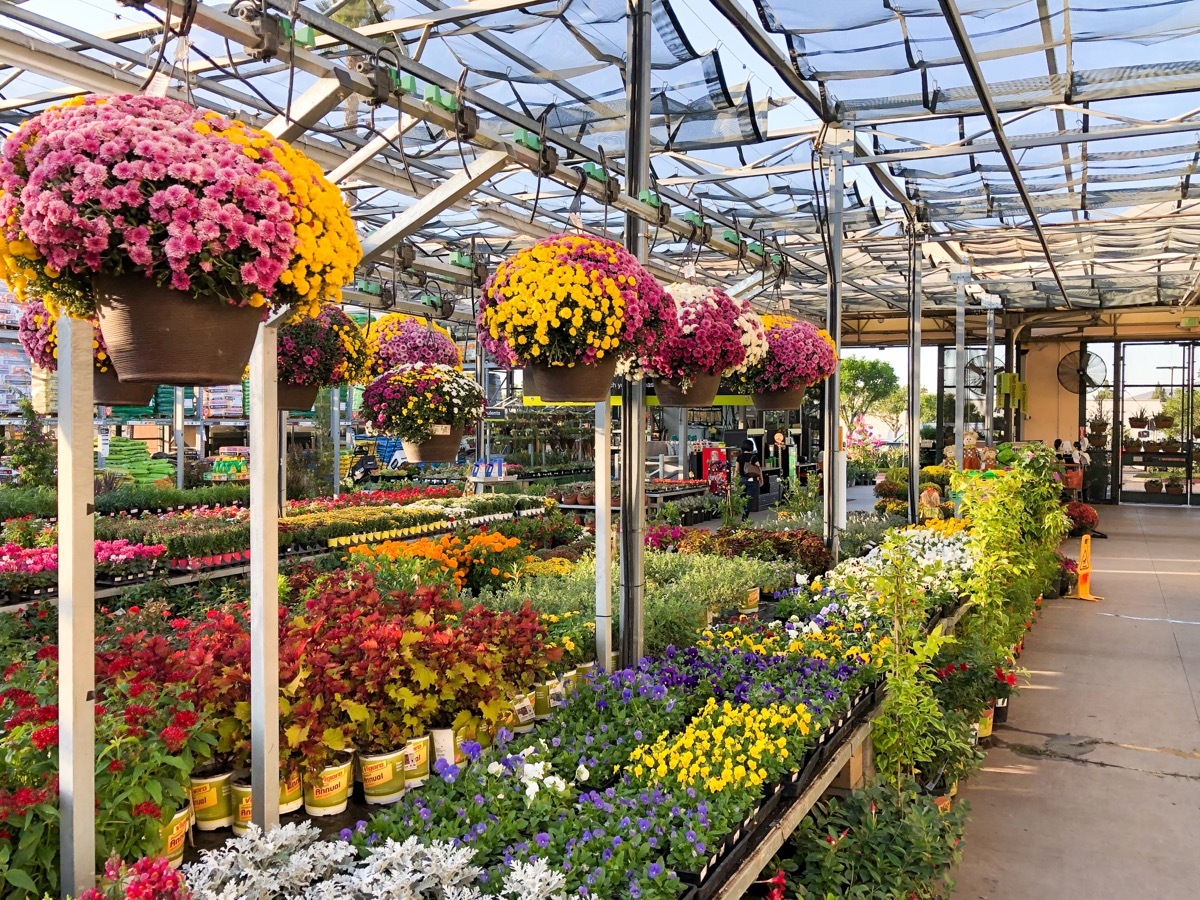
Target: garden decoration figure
<point>971,461</point>
<point>989,459</point>
<point>929,504</point>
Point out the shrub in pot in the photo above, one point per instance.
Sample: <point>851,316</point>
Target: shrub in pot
<point>1154,486</point>
<point>427,406</point>
<point>1084,517</point>
<point>176,228</point>
<point>568,309</point>
<point>798,355</point>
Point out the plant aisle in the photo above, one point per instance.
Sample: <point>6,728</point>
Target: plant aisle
<point>544,775</point>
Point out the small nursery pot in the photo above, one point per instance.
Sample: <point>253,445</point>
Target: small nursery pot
<point>331,794</point>
<point>212,799</point>
<point>382,776</point>
<point>417,757</point>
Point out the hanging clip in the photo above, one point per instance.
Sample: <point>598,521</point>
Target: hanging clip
<point>268,30</point>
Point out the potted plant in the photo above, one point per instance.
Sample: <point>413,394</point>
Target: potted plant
<point>1162,421</point>
<point>1154,486</point>
<point>316,352</point>
<point>1140,419</point>
<point>428,406</point>
<point>798,355</point>
<point>176,228</point>
<point>1084,518</point>
<point>38,333</point>
<point>568,309</point>
<point>1174,484</point>
<point>401,340</point>
<point>717,336</point>
<point>1098,424</point>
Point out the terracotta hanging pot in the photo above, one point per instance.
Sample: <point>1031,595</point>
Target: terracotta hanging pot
<point>111,391</point>
<point>297,397</point>
<point>572,384</point>
<point>157,335</point>
<point>779,399</point>
<point>702,392</point>
<point>440,448</point>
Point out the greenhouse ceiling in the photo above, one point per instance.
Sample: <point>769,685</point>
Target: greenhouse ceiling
<point>1047,145</point>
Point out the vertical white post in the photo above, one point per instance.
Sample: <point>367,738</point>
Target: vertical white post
<point>283,420</point>
<point>914,375</point>
<point>835,481</point>
<point>177,422</point>
<point>960,279</point>
<point>335,426</point>
<point>603,441</point>
<point>76,609</point>
<point>264,577</point>
<point>989,384</point>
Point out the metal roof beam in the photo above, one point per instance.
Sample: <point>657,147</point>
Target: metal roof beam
<point>309,108</point>
<point>958,30</point>
<point>428,207</point>
<point>450,15</point>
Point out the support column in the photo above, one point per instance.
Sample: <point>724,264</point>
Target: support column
<point>989,376</point>
<point>914,377</point>
<point>76,609</point>
<point>602,436</point>
<point>177,425</point>
<point>683,442</point>
<point>264,576</point>
<point>633,391</point>
<point>834,485</point>
<point>960,279</point>
<point>335,427</point>
<point>481,380</point>
<point>1010,366</point>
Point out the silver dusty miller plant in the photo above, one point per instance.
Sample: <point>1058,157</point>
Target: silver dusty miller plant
<point>293,863</point>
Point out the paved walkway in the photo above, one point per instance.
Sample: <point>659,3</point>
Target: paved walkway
<point>1092,789</point>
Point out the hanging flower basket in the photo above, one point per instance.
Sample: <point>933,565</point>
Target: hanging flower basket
<point>297,397</point>
<point>438,448</point>
<point>702,391</point>
<point>317,352</point>
<point>159,335</point>
<point>580,383</point>
<point>400,340</point>
<point>177,229</point>
<point>565,306</point>
<point>427,406</point>
<point>38,332</point>
<point>798,355</point>
<point>775,400</point>
<point>717,336</point>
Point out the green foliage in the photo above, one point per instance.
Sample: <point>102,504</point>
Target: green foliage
<point>881,843</point>
<point>33,453</point>
<point>864,385</point>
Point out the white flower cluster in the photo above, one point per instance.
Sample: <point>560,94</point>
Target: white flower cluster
<point>293,863</point>
<point>754,337</point>
<point>534,776</point>
<point>944,563</point>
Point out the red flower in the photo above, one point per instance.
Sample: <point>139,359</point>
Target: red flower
<point>116,766</point>
<point>174,737</point>
<point>149,809</point>
<point>137,713</point>
<point>777,879</point>
<point>50,651</point>
<point>185,718</point>
<point>44,737</point>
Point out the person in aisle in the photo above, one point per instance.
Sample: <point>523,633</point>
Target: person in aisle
<point>752,478</point>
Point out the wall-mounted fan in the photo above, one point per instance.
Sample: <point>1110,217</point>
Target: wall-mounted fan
<point>1078,372</point>
<point>974,373</point>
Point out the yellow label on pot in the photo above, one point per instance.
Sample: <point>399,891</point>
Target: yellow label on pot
<point>245,811</point>
<point>291,788</point>
<point>206,796</point>
<point>335,783</point>
<point>382,772</point>
<point>752,598</point>
<point>175,833</point>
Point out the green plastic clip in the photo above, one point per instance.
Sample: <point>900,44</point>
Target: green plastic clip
<point>408,84</point>
<point>756,248</point>
<point>435,96</point>
<point>732,236</point>
<point>650,198</point>
<point>374,288</point>
<point>595,172</point>
<point>461,259</point>
<point>694,218</point>
<point>527,139</point>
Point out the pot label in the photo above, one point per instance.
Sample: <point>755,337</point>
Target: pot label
<point>416,758</point>
<point>383,772</point>
<point>524,710</point>
<point>440,430</point>
<point>211,796</point>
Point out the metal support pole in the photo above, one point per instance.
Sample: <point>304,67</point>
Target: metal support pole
<point>834,486</point>
<point>1118,418</point>
<point>684,456</point>
<point>76,609</point>
<point>335,427</point>
<point>283,466</point>
<point>481,380</point>
<point>633,390</point>
<point>914,378</point>
<point>264,577</point>
<point>989,382</point>
<point>1010,366</point>
<point>603,441</point>
<point>177,422</point>
<point>960,368</point>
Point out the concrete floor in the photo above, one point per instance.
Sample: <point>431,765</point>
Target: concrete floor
<point>1092,789</point>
